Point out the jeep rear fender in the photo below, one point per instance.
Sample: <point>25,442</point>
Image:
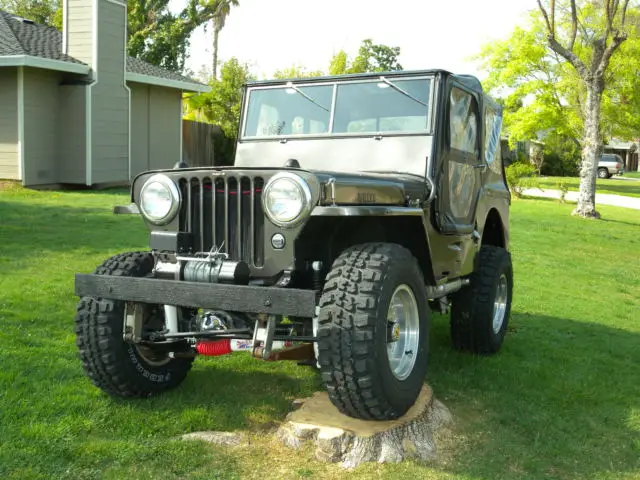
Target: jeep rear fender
<point>493,230</point>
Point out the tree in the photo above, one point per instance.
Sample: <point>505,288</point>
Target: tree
<point>546,95</point>
<point>45,12</point>
<point>221,106</point>
<point>217,12</point>
<point>371,58</point>
<point>160,37</point>
<point>297,71</point>
<point>587,37</point>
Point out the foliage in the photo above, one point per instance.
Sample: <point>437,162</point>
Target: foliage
<point>542,94</point>
<point>580,421</point>
<point>561,156</point>
<point>568,69</point>
<point>160,37</point>
<point>339,63</point>
<point>520,176</point>
<point>222,105</point>
<point>533,84</point>
<point>296,71</point>
<point>45,12</point>
<point>563,186</point>
<point>371,58</point>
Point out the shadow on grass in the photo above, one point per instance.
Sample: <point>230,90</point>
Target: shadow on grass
<point>557,402</point>
<point>233,393</point>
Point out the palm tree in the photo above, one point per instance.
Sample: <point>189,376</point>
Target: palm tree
<point>221,10</point>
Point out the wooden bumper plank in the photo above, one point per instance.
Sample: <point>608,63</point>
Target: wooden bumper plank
<point>271,300</point>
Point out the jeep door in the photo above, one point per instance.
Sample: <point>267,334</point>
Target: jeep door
<point>460,168</point>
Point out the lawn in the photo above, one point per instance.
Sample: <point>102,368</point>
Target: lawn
<point>632,175</point>
<point>560,401</point>
<point>613,185</point>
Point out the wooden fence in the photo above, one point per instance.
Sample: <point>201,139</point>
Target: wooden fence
<point>198,143</point>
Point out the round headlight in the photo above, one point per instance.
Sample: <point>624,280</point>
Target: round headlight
<point>159,199</point>
<point>286,199</point>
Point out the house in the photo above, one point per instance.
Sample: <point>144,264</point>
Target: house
<point>75,109</point>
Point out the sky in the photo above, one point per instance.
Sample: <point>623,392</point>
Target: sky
<point>276,34</point>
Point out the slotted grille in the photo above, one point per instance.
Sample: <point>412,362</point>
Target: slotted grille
<point>225,212</point>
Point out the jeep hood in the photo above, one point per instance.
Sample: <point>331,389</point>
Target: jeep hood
<point>370,188</point>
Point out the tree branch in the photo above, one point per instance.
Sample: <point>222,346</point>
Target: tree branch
<point>608,52</point>
<point>574,25</point>
<point>571,57</point>
<point>546,19</point>
<point>624,13</point>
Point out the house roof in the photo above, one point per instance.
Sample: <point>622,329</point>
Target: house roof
<point>26,43</point>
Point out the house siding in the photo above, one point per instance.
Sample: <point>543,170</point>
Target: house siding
<point>72,150</point>
<point>156,127</point>
<point>139,128</point>
<point>165,127</point>
<point>9,165</point>
<point>41,126</point>
<point>110,99</point>
<point>79,32</point>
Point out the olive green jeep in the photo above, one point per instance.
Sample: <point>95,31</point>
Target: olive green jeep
<point>357,204</point>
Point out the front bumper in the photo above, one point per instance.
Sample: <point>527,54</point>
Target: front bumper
<point>235,298</point>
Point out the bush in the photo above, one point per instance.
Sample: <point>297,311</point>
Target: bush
<point>564,188</point>
<point>561,157</point>
<point>520,176</point>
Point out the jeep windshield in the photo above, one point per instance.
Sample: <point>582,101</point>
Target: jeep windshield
<point>378,106</point>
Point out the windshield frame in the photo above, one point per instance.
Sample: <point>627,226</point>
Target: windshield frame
<point>335,83</point>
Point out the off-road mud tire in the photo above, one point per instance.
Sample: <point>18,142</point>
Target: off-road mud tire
<point>472,307</point>
<point>352,329</point>
<point>112,364</point>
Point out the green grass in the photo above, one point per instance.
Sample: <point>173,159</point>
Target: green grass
<point>561,400</point>
<point>632,175</point>
<point>613,185</point>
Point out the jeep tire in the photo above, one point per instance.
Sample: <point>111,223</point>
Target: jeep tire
<point>117,367</point>
<point>356,340</point>
<point>480,311</point>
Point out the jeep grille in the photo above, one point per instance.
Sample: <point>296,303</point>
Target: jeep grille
<point>225,211</point>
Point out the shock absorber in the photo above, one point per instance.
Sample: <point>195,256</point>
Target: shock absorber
<point>317,279</point>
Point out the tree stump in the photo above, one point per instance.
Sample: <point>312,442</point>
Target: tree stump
<point>339,438</point>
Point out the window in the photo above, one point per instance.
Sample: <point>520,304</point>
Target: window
<point>302,110</point>
<point>381,105</point>
<point>492,126</point>
<point>463,122</point>
<point>400,106</point>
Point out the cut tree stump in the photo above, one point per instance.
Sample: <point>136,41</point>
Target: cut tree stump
<point>339,438</point>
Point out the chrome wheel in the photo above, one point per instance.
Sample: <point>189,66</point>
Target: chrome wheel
<point>403,332</point>
<point>500,303</point>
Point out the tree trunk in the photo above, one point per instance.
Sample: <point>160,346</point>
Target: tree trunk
<point>349,441</point>
<point>590,152</point>
<point>216,32</point>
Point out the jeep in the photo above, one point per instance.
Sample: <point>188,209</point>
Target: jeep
<point>357,205</point>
